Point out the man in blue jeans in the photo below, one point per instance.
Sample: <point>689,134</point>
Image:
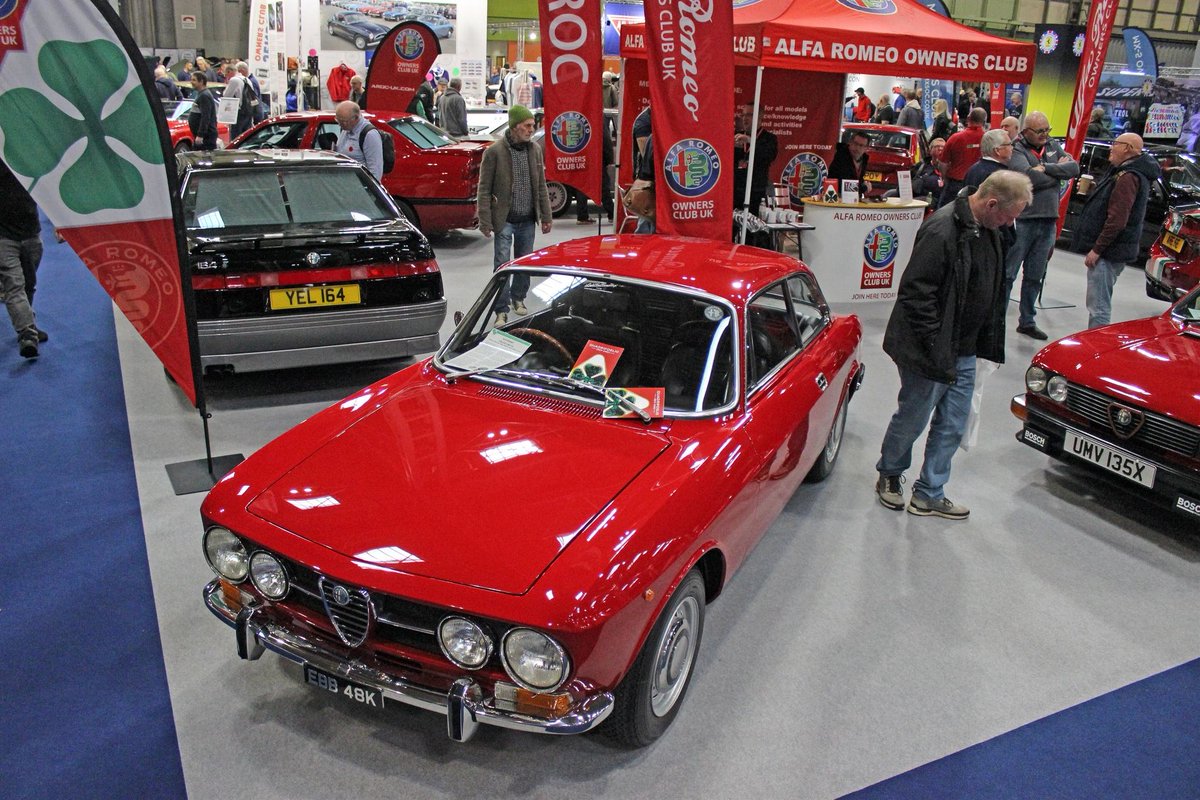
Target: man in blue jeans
<point>1046,164</point>
<point>512,200</point>
<point>949,309</point>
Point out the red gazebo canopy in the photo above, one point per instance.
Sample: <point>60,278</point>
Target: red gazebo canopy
<point>877,37</point>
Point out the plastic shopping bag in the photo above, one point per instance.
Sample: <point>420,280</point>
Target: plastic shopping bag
<point>983,368</point>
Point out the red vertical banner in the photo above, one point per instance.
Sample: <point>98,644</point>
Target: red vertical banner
<point>692,116</point>
<point>403,58</point>
<point>1091,64</point>
<point>572,57</point>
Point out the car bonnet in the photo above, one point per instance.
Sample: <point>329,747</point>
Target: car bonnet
<point>1150,362</point>
<point>449,483</point>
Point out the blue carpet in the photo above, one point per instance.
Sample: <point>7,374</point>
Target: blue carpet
<point>1140,741</point>
<point>84,706</point>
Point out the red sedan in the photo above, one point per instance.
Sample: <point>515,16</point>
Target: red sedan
<point>1174,264</point>
<point>1124,401</point>
<point>890,150</point>
<point>435,178</point>
<point>524,530</point>
<point>182,139</point>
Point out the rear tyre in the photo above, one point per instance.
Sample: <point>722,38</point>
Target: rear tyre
<point>408,212</point>
<point>560,200</point>
<point>650,696</point>
<point>833,445</point>
<point>183,147</point>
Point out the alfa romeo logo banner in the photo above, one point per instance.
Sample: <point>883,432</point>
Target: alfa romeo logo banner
<point>401,62</point>
<point>692,116</point>
<point>78,130</point>
<point>572,51</point>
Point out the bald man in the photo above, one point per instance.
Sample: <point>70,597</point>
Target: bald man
<point>1110,224</point>
<point>1011,126</point>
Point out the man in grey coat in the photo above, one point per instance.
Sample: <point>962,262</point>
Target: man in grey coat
<point>1044,162</point>
<point>452,109</point>
<point>512,199</point>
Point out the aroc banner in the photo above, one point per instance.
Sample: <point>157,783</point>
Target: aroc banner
<point>571,58</point>
<point>692,116</point>
<point>78,129</point>
<point>401,61</point>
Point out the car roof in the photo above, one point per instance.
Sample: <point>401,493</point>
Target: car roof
<point>236,159</point>
<point>734,272</point>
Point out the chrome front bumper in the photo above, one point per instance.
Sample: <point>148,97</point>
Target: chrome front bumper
<point>464,705</point>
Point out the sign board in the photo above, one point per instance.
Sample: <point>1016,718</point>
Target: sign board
<point>187,22</point>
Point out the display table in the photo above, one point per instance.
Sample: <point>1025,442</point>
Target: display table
<point>782,231</point>
<point>858,250</point>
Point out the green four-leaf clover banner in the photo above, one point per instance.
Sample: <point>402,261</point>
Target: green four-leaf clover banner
<point>78,129</point>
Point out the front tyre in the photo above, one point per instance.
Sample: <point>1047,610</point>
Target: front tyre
<point>360,42</point>
<point>651,694</point>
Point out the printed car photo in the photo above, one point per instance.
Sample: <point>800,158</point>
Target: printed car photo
<point>524,530</point>
<point>435,178</point>
<point>360,29</point>
<point>1123,400</point>
<point>301,259</point>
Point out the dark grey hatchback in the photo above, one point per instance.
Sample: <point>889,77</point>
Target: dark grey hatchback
<point>300,258</point>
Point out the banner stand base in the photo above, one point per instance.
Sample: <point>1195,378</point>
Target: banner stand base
<point>189,477</point>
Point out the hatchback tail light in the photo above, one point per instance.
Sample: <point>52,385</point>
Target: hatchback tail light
<point>303,277</point>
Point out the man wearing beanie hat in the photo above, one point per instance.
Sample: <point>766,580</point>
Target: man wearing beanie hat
<point>512,199</point>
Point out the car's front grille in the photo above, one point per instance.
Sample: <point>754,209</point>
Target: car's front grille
<point>396,620</point>
<point>1156,431</point>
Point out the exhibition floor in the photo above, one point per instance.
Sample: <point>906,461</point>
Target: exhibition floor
<point>1016,654</point>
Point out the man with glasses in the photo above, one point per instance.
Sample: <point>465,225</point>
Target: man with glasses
<point>366,149</point>
<point>1110,224</point>
<point>1043,160</point>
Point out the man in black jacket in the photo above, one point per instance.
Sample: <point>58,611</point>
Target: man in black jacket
<point>850,161</point>
<point>949,310</point>
<point>202,119</point>
<point>766,148</point>
<point>1110,225</point>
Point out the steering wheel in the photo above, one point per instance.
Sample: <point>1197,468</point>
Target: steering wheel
<point>545,338</point>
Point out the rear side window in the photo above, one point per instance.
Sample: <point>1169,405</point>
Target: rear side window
<point>421,133</point>
<point>287,135</point>
<point>231,199</point>
<point>772,333</point>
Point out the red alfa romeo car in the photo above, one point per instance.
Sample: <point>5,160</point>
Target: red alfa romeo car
<point>1174,264</point>
<point>435,178</point>
<point>525,529</point>
<point>182,139</point>
<point>891,149</point>
<point>1124,400</point>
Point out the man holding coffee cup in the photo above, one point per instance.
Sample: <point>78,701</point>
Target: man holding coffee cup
<point>1110,224</point>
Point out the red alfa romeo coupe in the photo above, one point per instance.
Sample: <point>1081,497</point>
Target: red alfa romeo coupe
<point>1124,400</point>
<point>524,530</point>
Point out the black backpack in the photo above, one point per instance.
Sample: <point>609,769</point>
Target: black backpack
<point>389,147</point>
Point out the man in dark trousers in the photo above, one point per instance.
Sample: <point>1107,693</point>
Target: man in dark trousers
<point>202,119</point>
<point>20,252</point>
<point>766,148</point>
<point>1110,225</point>
<point>949,310</point>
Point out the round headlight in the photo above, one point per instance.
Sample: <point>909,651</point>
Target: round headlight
<point>464,642</point>
<point>1057,388</point>
<point>226,554</point>
<point>534,660</point>
<point>1035,379</point>
<point>268,575</point>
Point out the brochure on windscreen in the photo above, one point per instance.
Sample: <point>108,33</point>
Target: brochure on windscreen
<point>497,349</point>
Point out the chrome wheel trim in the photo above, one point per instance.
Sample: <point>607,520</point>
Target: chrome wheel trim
<point>835,436</point>
<point>674,655</point>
